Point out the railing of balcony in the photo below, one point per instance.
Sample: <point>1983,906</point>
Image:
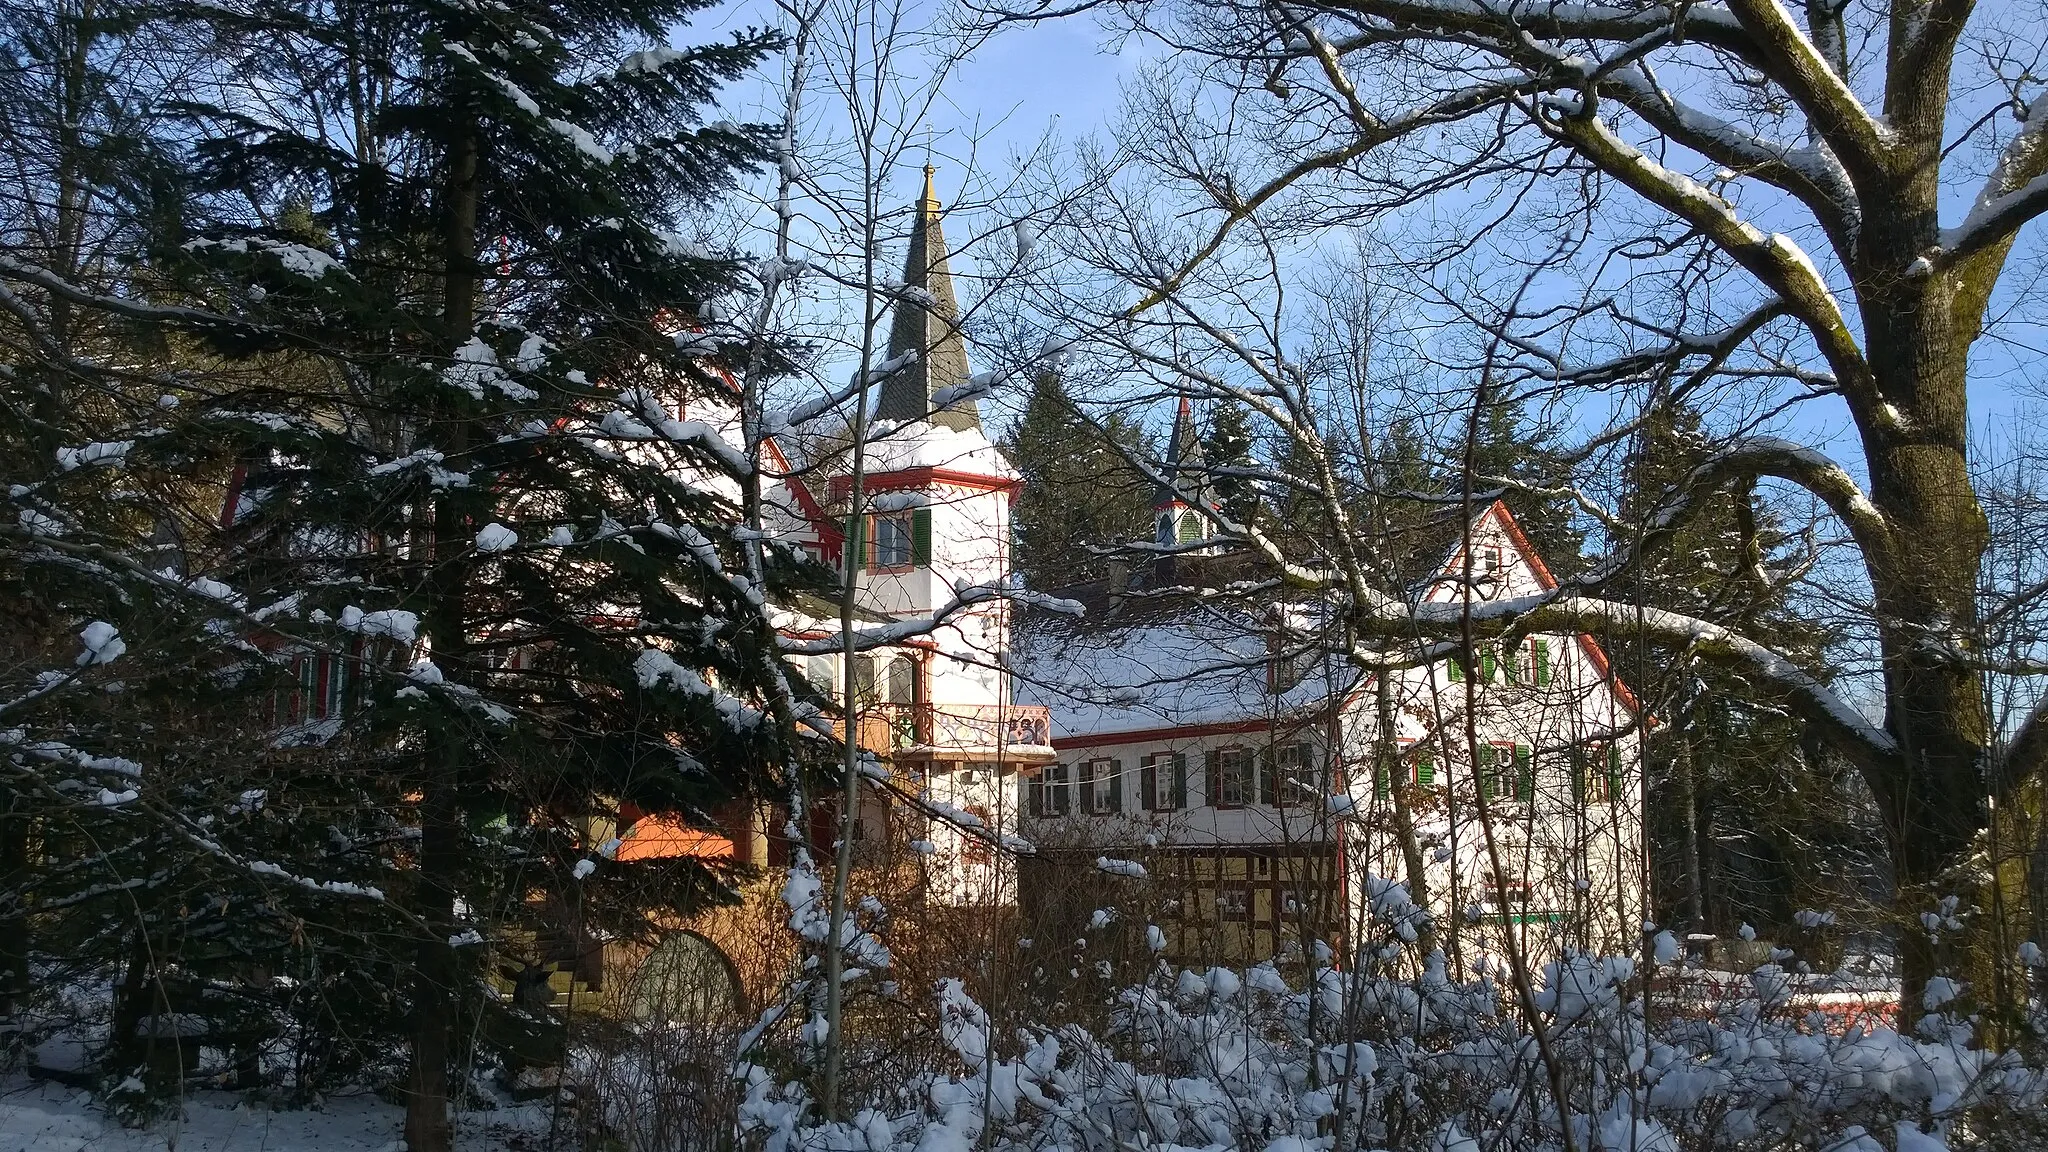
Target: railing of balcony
<point>962,727</point>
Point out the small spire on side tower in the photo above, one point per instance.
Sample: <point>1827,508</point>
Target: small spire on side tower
<point>1185,481</point>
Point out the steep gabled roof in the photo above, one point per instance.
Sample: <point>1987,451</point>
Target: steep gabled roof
<point>1454,569</point>
<point>925,326</point>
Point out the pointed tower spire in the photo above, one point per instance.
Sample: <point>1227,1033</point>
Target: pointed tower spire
<point>1183,462</point>
<point>927,329</point>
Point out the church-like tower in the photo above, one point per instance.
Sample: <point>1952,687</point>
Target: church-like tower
<point>935,514</point>
<point>938,493</point>
<point>1185,486</point>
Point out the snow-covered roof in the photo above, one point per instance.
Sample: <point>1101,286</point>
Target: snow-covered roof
<point>902,446</point>
<point>1196,665</point>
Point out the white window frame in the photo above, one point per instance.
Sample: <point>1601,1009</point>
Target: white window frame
<point>1102,782</point>
<point>1053,791</point>
<point>1247,784</point>
<point>1295,775</point>
<point>1163,774</point>
<point>890,548</point>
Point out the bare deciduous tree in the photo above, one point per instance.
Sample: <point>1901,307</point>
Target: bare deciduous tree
<point>1725,200</point>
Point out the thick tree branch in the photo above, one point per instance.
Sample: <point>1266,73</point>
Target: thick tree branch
<point>1774,259</point>
<point>1862,143</point>
<point>1858,738</point>
<point>1812,176</point>
<point>2014,193</point>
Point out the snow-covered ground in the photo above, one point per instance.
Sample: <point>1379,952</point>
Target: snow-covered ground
<point>46,1117</point>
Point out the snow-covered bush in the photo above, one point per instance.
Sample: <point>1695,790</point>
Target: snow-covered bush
<point>1396,1053</point>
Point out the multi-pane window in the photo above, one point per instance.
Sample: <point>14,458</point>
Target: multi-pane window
<point>892,541</point>
<point>321,693</point>
<point>1506,891</point>
<point>1596,773</point>
<point>1418,768</point>
<point>1230,783</point>
<point>1506,771</point>
<point>1297,780</point>
<point>1163,776</point>
<point>1104,787</point>
<point>1051,791</point>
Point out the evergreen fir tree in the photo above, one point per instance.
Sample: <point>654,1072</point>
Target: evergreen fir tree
<point>1227,444</point>
<point>1506,446</point>
<point>1749,820</point>
<point>479,584</point>
<point>1079,487</point>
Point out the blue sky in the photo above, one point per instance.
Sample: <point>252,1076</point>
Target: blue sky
<point>1012,90</point>
<point>1058,77</point>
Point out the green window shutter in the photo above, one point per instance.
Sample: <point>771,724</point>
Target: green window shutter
<point>1379,780</point>
<point>1030,794</point>
<point>1425,767</point>
<point>1457,669</point>
<point>856,543</point>
<point>1084,788</point>
<point>1525,773</point>
<point>1578,769</point>
<point>1542,662</point>
<point>1190,527</point>
<point>1212,773</point>
<point>1507,663</point>
<point>1489,773</point>
<point>1116,786</point>
<point>1148,782</point>
<point>921,537</point>
<point>1488,665</point>
<point>1180,780</point>
<point>1268,766</point>
<point>1613,771</point>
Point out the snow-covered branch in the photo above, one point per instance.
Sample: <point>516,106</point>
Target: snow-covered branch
<point>2014,193</point>
<point>1775,259</point>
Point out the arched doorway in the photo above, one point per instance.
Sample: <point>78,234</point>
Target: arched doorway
<point>686,980</point>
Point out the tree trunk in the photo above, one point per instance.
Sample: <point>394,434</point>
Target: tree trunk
<point>433,984</point>
<point>1388,754</point>
<point>1689,801</point>
<point>436,991</point>
<point>15,834</point>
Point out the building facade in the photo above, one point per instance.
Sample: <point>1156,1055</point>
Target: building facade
<point>1266,787</point>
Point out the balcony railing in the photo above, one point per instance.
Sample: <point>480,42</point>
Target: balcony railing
<point>958,731</point>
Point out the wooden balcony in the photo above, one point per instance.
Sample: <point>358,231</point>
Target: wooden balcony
<point>1014,733</point>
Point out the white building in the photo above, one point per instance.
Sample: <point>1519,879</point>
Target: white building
<point>1228,751</point>
<point>1220,744</point>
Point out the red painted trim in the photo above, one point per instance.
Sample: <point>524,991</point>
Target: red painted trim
<point>1499,511</point>
<point>1186,732</point>
<point>813,511</point>
<point>921,478</point>
<point>235,483</point>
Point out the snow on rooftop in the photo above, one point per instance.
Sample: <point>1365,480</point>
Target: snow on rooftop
<point>1197,666</point>
<point>899,447</point>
